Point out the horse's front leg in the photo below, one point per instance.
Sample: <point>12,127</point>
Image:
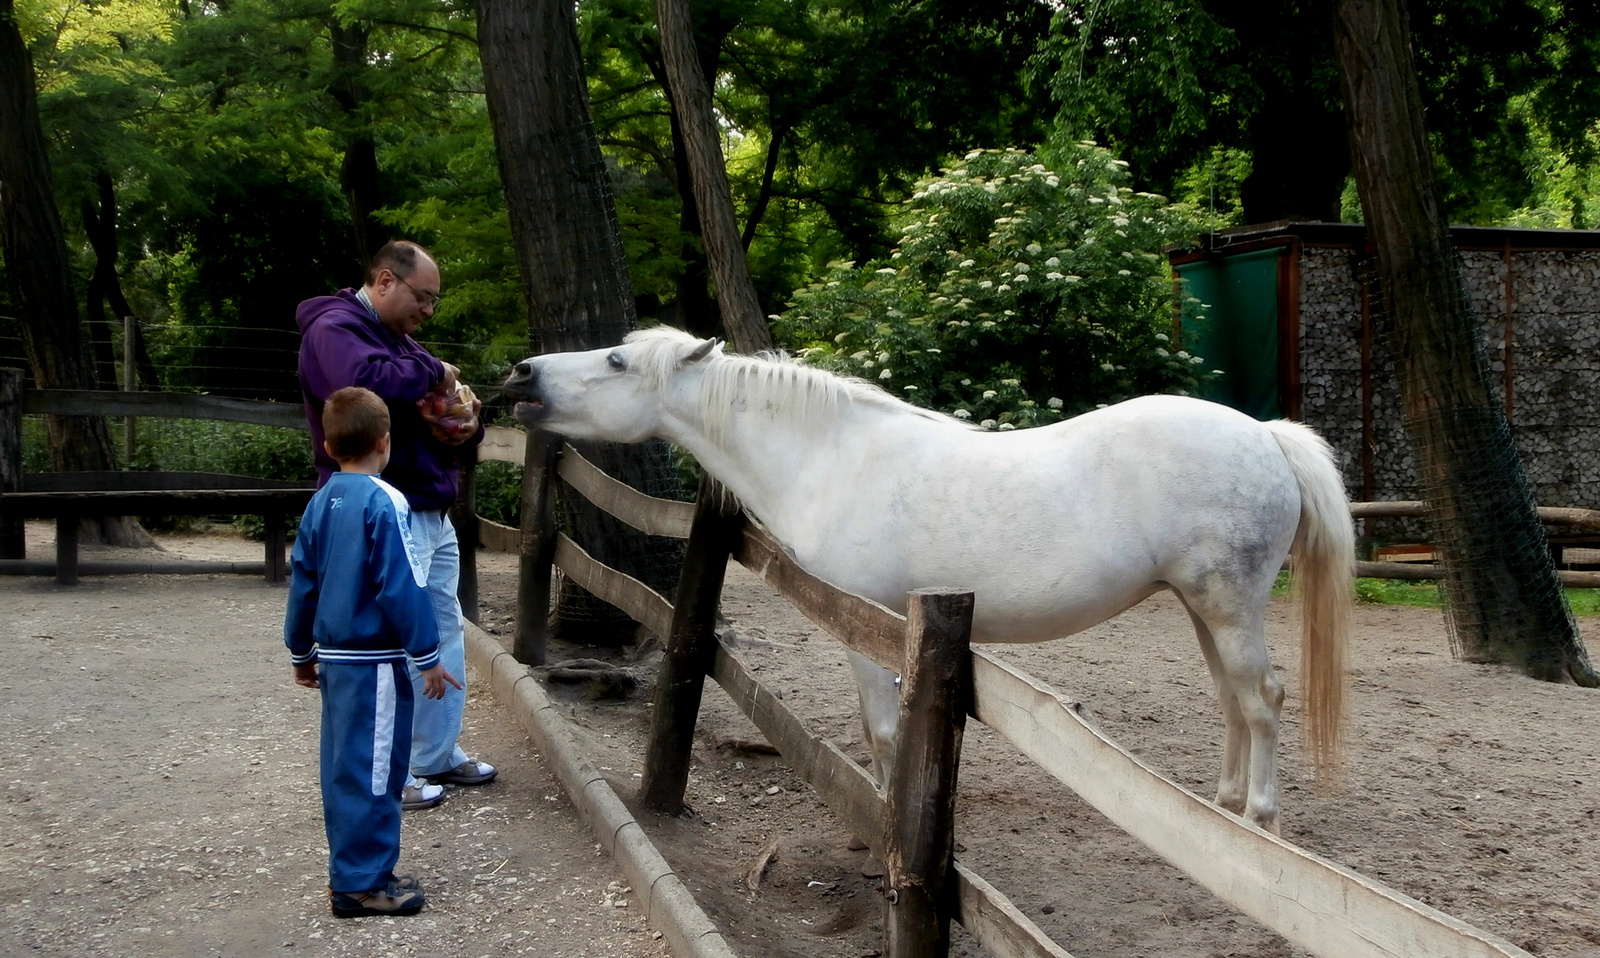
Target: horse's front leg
<point>880,710</point>
<point>880,713</point>
<point>1233,783</point>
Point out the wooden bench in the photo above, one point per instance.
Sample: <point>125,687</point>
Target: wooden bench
<point>69,497</point>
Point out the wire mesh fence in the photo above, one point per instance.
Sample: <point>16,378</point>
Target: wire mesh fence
<point>1503,598</point>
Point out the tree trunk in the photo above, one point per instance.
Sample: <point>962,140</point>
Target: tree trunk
<point>358,173</point>
<point>1300,158</point>
<point>691,101</point>
<point>105,288</point>
<point>99,324</point>
<point>695,311</point>
<point>41,281</point>
<point>574,275</point>
<point>693,307</point>
<point>1504,601</point>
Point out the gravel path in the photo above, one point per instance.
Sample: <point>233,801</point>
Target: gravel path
<point>160,794</point>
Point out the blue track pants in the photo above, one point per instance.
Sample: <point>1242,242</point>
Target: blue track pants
<point>366,744</point>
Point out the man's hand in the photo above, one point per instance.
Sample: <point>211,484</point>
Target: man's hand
<point>306,675</point>
<point>433,681</point>
<point>451,376</point>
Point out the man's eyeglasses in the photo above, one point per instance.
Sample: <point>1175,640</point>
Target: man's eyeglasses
<point>423,299</point>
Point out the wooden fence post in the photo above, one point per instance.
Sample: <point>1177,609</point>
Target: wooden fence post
<point>919,827</point>
<point>464,516</point>
<point>129,382</point>
<point>275,545</point>
<point>691,648</point>
<point>536,546</point>
<point>13,543</point>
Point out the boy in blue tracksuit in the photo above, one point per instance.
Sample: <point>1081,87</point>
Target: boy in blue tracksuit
<point>358,605</point>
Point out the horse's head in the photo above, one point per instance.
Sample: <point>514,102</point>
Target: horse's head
<point>613,394</point>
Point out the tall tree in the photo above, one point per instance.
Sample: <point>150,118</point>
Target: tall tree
<point>570,255</point>
<point>1505,602</point>
<point>32,239</point>
<point>829,111</point>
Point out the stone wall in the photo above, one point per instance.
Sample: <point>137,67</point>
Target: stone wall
<point>1555,362</point>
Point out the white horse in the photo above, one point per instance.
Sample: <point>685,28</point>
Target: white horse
<point>1054,529</point>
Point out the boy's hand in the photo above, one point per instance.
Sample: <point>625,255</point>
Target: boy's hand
<point>433,681</point>
<point>306,675</point>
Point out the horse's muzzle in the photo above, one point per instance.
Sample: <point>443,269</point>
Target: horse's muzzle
<point>522,386</point>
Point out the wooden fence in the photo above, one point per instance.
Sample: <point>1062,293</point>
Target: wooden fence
<point>69,497</point>
<point>1318,905</point>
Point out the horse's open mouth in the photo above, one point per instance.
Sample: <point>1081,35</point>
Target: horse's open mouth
<point>528,408</point>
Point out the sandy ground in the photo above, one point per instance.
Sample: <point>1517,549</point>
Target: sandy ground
<point>1471,788</point>
<point>161,800</point>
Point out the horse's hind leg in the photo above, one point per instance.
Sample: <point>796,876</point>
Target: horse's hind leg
<point>1234,781</point>
<point>1235,648</point>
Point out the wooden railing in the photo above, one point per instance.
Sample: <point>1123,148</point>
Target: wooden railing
<point>1320,906</point>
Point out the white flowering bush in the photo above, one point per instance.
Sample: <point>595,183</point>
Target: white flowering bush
<point>1017,294</point>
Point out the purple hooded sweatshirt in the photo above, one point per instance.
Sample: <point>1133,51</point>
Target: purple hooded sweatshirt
<point>343,344</point>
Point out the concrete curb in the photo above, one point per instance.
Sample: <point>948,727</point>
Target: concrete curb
<point>669,907</point>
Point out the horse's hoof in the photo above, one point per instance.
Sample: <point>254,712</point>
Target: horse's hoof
<point>872,867</point>
<point>855,844</point>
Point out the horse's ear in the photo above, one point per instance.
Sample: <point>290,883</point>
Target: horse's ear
<point>701,351</point>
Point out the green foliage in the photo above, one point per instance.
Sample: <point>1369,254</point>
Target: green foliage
<point>1017,294</point>
<point>1397,592</point>
<point>499,492</point>
<point>1215,183</point>
<point>196,445</point>
<point>1511,88</point>
<point>199,445</point>
<point>1584,601</point>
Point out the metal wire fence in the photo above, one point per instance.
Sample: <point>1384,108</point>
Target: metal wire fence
<point>243,362</point>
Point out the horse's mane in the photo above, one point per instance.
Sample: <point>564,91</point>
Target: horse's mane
<point>805,396</point>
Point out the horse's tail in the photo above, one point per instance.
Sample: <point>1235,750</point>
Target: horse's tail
<point>1323,563</point>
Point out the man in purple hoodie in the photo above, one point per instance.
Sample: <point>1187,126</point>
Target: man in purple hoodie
<point>362,337</point>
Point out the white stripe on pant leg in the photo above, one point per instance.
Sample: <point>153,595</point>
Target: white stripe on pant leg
<point>382,728</point>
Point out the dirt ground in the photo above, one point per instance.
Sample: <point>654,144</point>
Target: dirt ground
<point>160,791</point>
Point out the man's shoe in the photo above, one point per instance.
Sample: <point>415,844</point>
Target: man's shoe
<point>421,795</point>
<point>470,772</point>
<point>391,899</point>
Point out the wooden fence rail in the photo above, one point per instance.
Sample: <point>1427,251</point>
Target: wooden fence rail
<point>1321,906</point>
<point>1587,519</point>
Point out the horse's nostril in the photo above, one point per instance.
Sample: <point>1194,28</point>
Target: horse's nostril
<point>524,368</point>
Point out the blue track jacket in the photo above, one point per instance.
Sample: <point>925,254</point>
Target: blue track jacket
<point>357,593</point>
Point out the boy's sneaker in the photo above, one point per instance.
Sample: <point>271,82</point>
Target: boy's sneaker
<point>391,899</point>
<point>421,795</point>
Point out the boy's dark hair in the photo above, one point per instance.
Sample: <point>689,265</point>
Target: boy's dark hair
<point>398,257</point>
<point>353,420</point>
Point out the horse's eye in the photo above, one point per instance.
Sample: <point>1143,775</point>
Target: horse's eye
<point>615,361</point>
